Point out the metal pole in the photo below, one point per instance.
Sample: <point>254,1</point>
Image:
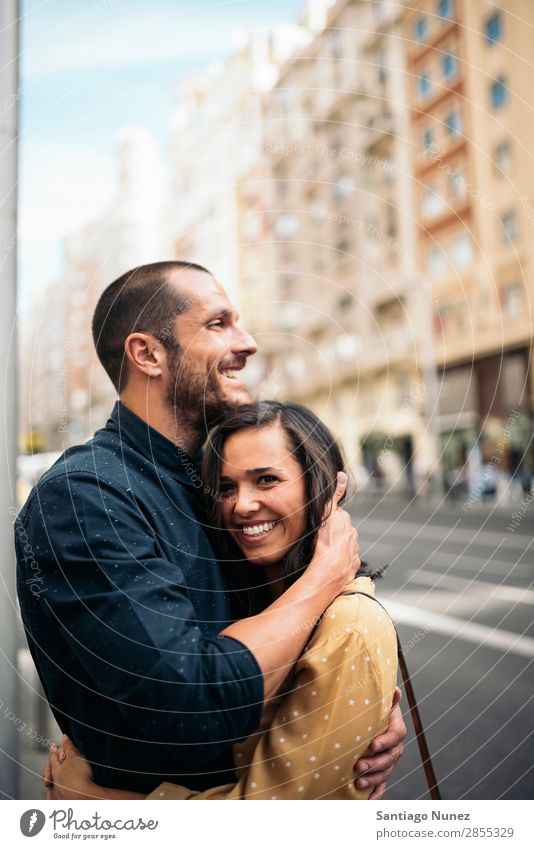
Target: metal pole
<point>9,98</point>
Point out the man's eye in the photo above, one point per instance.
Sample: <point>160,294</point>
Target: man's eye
<point>218,323</point>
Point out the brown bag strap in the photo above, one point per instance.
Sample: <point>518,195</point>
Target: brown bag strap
<point>418,725</point>
<point>414,712</point>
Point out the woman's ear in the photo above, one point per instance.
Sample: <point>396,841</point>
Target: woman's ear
<point>341,487</point>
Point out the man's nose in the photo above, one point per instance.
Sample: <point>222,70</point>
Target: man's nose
<point>244,343</point>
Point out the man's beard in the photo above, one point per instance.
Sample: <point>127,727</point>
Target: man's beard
<point>195,397</point>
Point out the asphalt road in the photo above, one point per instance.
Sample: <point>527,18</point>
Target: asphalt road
<point>460,588</point>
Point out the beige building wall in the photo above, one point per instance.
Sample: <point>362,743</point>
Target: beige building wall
<point>472,123</point>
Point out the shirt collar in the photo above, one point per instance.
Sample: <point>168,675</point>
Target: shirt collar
<point>361,585</point>
<point>154,447</point>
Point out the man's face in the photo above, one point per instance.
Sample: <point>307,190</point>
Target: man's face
<point>203,375</point>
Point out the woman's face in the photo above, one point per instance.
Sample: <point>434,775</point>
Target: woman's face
<point>263,494</point>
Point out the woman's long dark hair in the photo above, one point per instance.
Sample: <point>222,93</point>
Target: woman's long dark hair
<point>314,448</point>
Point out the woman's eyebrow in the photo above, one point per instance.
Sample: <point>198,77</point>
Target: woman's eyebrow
<point>257,471</point>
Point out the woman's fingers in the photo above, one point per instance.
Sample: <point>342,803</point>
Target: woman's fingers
<point>69,748</point>
<point>47,775</point>
<point>54,759</point>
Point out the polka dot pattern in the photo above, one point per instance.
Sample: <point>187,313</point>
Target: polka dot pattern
<point>338,701</point>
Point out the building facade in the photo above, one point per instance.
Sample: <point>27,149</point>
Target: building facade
<point>348,321</point>
<point>472,119</point>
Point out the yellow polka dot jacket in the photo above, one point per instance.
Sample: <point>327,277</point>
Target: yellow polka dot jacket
<point>338,698</point>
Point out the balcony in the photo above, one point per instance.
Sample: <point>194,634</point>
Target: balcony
<point>420,49</point>
<point>449,213</point>
<point>378,127</point>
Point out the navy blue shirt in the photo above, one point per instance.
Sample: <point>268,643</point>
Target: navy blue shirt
<point>122,600</point>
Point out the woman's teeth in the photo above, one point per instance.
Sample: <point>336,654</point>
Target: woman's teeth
<point>255,530</point>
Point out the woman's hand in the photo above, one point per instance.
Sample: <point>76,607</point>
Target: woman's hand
<point>68,775</point>
<point>336,559</point>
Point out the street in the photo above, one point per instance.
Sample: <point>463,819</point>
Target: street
<point>459,587</point>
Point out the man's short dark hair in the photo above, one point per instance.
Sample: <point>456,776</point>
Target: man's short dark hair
<point>140,301</point>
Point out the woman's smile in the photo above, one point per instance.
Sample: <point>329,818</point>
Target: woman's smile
<point>257,532</point>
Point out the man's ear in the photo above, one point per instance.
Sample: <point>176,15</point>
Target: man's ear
<point>145,354</point>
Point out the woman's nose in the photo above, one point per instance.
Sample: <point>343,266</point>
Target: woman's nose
<point>245,502</point>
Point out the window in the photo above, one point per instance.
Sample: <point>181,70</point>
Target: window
<point>335,44</point>
<point>420,29</point>
<point>380,61</point>
<point>391,222</point>
<point>449,65</point>
<point>457,184</point>
<point>343,187</point>
<point>437,262</point>
<point>509,230</point>
<point>378,8</point>
<point>494,28</point>
<point>424,84</point>
<point>499,93</point>
<point>453,317</point>
<point>343,247</point>
<point>462,250</point>
<point>512,301</point>
<point>287,225</point>
<point>433,202</point>
<point>502,158</point>
<point>345,301</point>
<point>429,138</point>
<point>453,123</point>
<point>445,9</point>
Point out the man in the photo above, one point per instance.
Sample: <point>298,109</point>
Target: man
<point>132,625</point>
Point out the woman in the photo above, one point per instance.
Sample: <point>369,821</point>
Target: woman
<point>273,469</point>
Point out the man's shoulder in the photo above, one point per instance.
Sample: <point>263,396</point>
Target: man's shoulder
<point>102,458</point>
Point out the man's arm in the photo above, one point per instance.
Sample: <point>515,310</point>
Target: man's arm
<point>130,633</point>
<point>123,611</point>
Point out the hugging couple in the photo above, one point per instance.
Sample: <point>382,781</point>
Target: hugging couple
<point>204,628</point>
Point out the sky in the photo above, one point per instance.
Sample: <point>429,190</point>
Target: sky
<point>87,70</point>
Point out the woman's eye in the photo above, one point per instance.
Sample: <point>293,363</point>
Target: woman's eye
<point>268,479</point>
<point>226,489</point>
